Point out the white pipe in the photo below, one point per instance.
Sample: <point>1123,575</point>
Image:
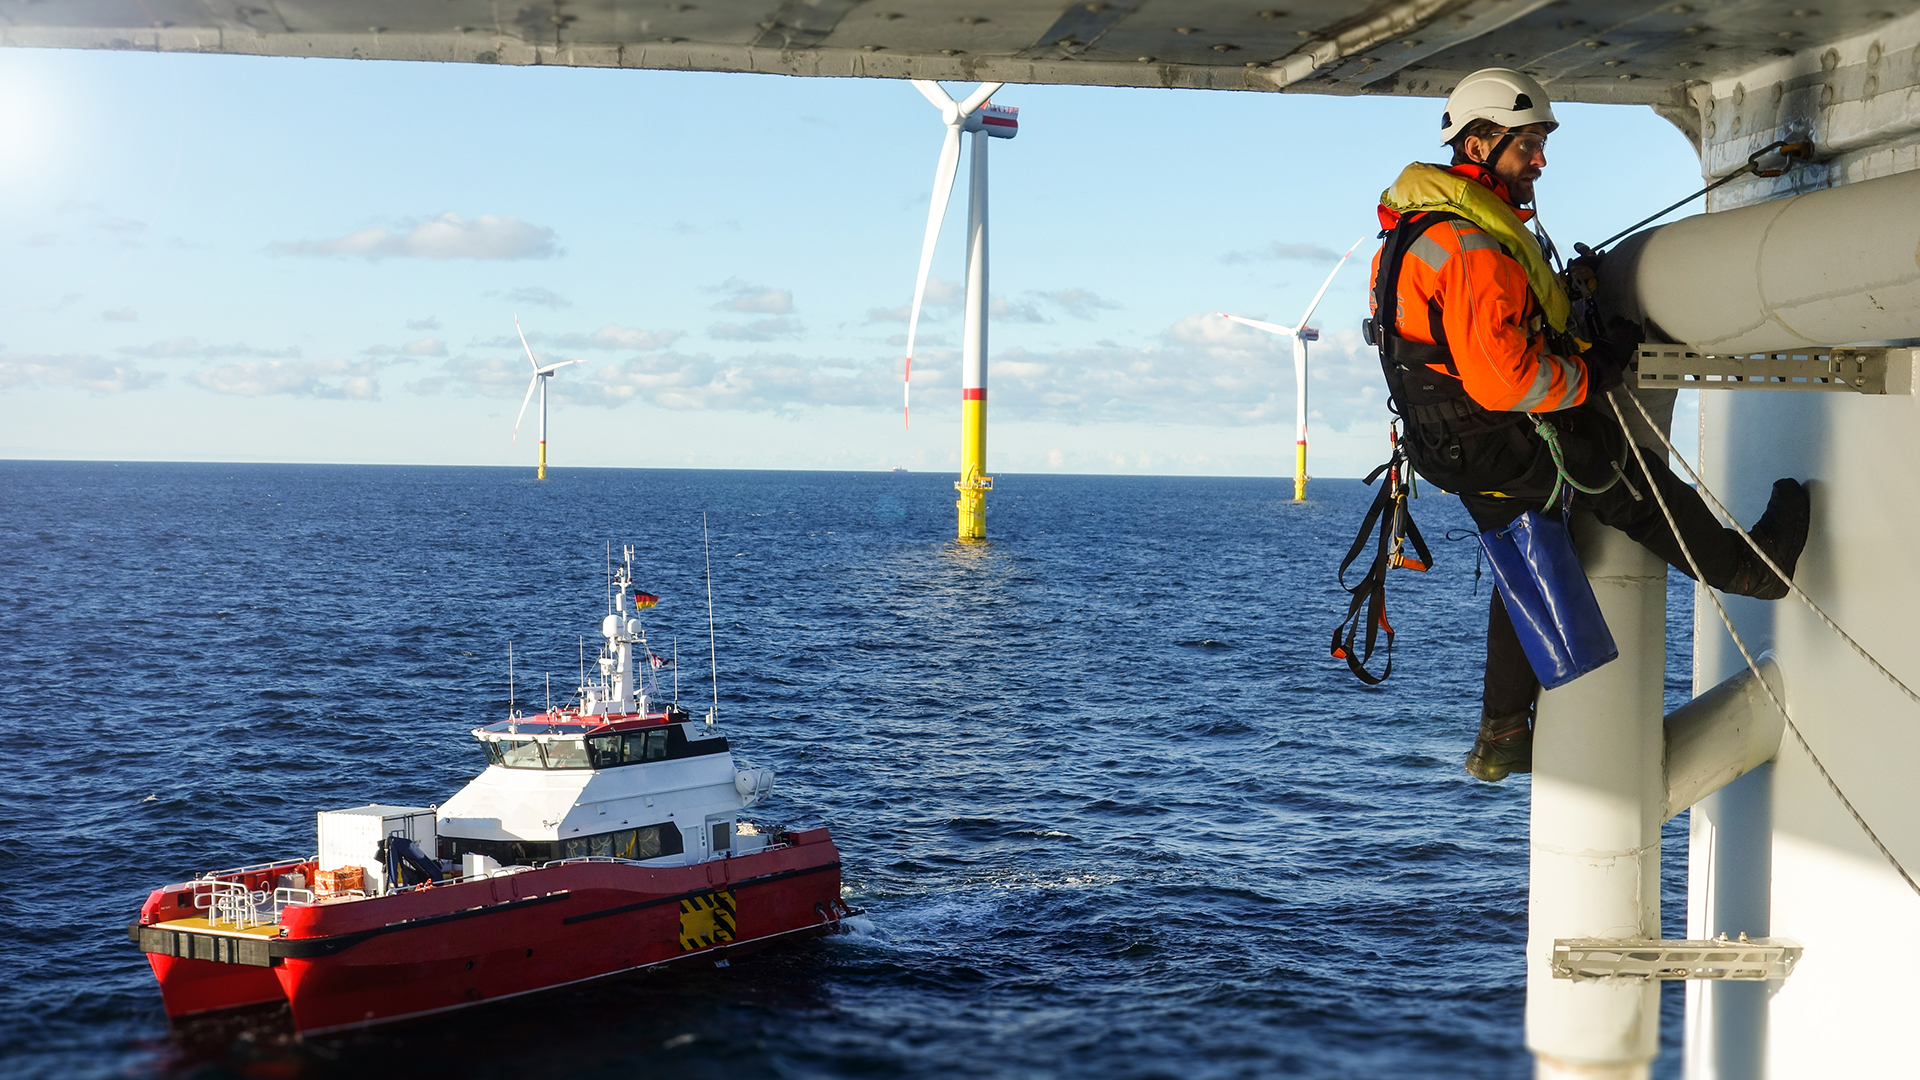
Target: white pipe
<point>1832,267</point>
<point>1599,787</point>
<point>1722,735</point>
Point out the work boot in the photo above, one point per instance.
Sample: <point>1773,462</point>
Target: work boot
<point>1781,532</point>
<point>1505,746</point>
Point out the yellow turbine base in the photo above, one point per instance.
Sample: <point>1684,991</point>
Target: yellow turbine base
<point>1300,472</point>
<point>543,462</point>
<point>973,484</point>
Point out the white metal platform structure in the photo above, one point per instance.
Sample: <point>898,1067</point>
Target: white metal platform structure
<point>1826,255</point>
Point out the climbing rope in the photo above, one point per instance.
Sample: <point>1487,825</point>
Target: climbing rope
<point>1727,620</point>
<point>1768,559</point>
<point>1564,479</point>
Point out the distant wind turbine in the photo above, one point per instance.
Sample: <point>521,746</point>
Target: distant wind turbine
<point>1301,333</point>
<point>540,377</point>
<point>982,119</point>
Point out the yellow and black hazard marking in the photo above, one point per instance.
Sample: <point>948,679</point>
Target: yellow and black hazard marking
<point>706,920</point>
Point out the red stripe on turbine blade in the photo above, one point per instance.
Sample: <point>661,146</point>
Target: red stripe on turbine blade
<point>974,393</point>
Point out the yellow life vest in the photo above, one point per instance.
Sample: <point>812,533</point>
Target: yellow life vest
<point>1422,187</point>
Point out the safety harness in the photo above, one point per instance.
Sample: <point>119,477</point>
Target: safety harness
<point>1389,513</point>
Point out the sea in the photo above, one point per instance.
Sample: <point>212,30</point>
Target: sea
<point>1110,808</point>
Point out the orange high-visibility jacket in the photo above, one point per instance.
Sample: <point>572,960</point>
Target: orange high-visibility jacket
<point>1489,318</point>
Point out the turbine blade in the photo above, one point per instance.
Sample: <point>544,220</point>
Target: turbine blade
<point>1271,328</point>
<point>523,343</point>
<point>943,174</point>
<point>906,397</point>
<point>979,97</point>
<point>551,368</point>
<point>1329,281</point>
<point>934,93</point>
<point>523,407</point>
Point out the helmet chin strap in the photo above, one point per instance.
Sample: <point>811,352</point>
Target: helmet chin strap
<point>1493,157</point>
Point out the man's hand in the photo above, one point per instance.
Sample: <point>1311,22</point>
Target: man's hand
<point>1607,362</point>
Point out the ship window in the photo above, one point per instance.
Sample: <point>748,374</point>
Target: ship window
<point>650,842</point>
<point>603,751</point>
<point>520,754</point>
<point>567,754</point>
<point>722,835</point>
<point>607,751</point>
<point>504,852</point>
<point>647,746</point>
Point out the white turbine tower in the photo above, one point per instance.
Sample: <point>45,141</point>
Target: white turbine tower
<point>540,377</point>
<point>982,119</point>
<point>1301,333</point>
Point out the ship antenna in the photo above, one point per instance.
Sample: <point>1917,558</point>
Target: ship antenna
<point>676,669</point>
<point>510,717</point>
<point>713,652</point>
<point>609,577</point>
<point>583,669</point>
<point>549,693</point>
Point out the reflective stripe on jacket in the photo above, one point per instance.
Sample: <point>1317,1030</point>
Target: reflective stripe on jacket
<point>1489,318</point>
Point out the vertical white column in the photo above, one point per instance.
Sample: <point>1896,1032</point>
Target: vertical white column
<point>1599,788</point>
<point>973,347</point>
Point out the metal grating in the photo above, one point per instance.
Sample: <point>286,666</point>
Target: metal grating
<point>1857,370</point>
<point>1738,960</point>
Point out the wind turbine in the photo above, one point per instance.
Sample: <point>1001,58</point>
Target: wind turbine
<point>982,119</point>
<point>1301,333</point>
<point>540,377</point>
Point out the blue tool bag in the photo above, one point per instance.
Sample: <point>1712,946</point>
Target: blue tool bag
<point>1549,599</point>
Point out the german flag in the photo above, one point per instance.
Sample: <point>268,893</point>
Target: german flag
<point>644,600</point>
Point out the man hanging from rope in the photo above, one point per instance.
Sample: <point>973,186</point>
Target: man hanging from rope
<point>1493,387</point>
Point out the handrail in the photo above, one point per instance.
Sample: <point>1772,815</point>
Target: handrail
<point>256,868</point>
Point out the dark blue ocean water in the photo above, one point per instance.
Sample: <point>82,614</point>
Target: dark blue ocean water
<point>1110,808</point>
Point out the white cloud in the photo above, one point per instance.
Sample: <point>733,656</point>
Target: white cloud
<point>190,348</point>
<point>1025,311</point>
<point>125,314</point>
<point>428,323</point>
<point>1281,250</point>
<point>305,378</point>
<point>95,373</point>
<point>941,293</point>
<point>754,299</point>
<point>758,330</point>
<point>1200,370</point>
<point>754,384</point>
<point>448,236</point>
<point>624,337</point>
<point>1080,303</point>
<point>610,337</point>
<point>539,297</point>
<point>488,377</point>
<point>422,347</point>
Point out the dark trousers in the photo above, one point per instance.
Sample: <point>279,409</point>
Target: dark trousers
<point>1591,442</point>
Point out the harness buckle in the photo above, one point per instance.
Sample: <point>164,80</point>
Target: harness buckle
<point>1370,332</point>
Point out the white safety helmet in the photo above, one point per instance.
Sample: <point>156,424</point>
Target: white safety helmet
<point>1507,97</point>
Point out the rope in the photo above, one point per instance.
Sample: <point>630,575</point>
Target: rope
<point>1564,479</point>
<point>1768,559</point>
<point>1727,621</point>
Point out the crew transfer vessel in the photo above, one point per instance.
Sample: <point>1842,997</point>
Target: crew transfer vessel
<point>606,836</point>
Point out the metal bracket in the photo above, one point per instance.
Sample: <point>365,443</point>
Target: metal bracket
<point>1865,370</point>
<point>1739,960</point>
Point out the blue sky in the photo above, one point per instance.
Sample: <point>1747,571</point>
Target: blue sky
<point>242,259</point>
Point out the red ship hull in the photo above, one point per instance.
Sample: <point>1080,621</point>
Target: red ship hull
<point>346,964</point>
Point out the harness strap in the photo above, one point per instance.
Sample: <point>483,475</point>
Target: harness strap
<point>1395,349</point>
<point>1369,595</point>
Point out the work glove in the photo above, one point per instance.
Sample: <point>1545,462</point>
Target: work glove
<point>1583,274</point>
<point>1607,362</point>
